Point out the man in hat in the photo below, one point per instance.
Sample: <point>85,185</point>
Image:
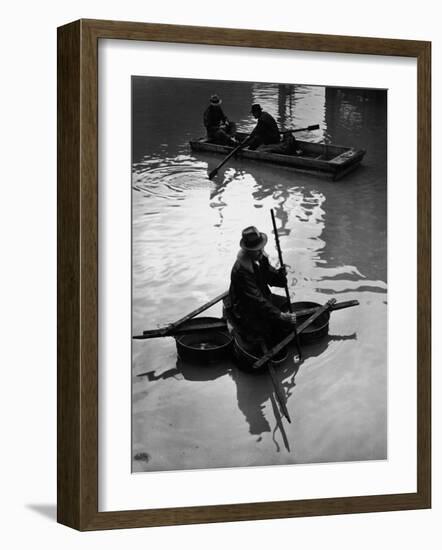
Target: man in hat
<point>219,129</point>
<point>266,131</point>
<point>253,309</point>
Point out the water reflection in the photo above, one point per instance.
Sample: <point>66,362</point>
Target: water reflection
<point>253,391</point>
<point>186,232</point>
<point>296,106</point>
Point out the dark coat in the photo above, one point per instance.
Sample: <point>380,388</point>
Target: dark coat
<point>252,306</point>
<point>266,130</point>
<point>213,117</point>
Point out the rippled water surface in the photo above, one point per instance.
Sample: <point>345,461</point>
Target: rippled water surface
<point>186,231</point>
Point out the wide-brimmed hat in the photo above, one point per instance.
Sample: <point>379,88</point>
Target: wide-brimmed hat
<point>256,107</point>
<point>252,239</point>
<point>215,100</point>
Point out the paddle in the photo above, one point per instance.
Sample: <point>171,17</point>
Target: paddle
<point>306,129</point>
<point>287,294</point>
<point>165,331</point>
<point>230,155</point>
<point>266,357</point>
<point>203,326</point>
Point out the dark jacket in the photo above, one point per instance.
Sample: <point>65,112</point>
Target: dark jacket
<point>213,116</point>
<point>266,129</point>
<point>250,298</point>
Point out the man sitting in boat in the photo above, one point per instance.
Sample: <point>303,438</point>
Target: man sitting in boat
<point>219,129</point>
<point>266,131</point>
<point>256,314</point>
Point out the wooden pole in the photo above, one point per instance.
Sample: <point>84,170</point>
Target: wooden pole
<point>164,331</point>
<point>289,303</point>
<point>266,357</point>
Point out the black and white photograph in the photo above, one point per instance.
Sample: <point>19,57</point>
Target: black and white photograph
<point>259,274</point>
<point>218,282</point>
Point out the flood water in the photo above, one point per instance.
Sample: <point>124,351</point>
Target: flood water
<point>186,232</point>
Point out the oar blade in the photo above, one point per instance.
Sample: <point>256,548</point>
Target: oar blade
<point>306,129</point>
<point>229,156</point>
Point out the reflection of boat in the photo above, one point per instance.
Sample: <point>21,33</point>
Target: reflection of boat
<point>316,158</point>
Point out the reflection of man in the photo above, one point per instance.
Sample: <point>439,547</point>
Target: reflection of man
<point>257,313</point>
<point>266,131</point>
<point>219,129</point>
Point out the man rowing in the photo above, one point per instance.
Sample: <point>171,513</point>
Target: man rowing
<point>266,131</point>
<point>256,313</point>
<point>219,129</point>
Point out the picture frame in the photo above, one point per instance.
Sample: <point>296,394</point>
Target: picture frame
<point>78,293</point>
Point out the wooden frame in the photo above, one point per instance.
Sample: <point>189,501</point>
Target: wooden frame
<point>78,274</point>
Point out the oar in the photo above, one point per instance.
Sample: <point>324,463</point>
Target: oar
<point>164,331</point>
<point>219,324</point>
<point>272,352</point>
<point>276,384</point>
<point>287,294</point>
<point>230,155</point>
<point>306,129</point>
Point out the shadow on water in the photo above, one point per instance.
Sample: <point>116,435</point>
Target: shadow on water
<point>279,426</point>
<point>190,371</point>
<point>253,390</point>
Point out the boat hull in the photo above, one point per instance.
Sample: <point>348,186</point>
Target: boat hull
<point>332,161</point>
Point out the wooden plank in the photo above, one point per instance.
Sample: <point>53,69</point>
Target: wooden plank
<point>186,34</point>
<point>319,163</point>
<point>68,276</point>
<point>220,324</point>
<point>77,370</point>
<point>263,360</point>
<point>273,158</point>
<point>192,314</point>
<point>423,356</point>
<point>348,156</point>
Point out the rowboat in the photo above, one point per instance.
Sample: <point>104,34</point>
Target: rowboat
<point>332,161</point>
